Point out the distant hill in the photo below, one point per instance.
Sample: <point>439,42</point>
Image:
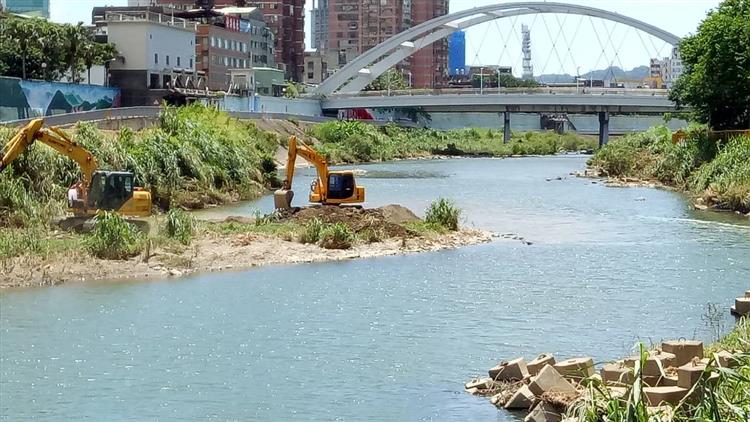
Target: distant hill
<point>614,72</point>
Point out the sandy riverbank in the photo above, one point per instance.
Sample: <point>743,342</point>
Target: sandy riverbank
<point>215,253</point>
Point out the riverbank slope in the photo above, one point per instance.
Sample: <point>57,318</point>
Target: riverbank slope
<point>715,172</point>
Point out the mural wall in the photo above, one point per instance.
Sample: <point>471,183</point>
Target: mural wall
<point>20,99</point>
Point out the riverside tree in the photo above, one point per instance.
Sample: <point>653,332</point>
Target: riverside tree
<point>33,48</point>
<point>716,81</point>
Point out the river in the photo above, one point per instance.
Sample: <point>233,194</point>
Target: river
<point>382,339</point>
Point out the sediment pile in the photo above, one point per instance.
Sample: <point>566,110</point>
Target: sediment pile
<point>548,389</point>
<point>387,220</point>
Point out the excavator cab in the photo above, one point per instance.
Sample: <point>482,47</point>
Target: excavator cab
<point>341,185</point>
<point>115,191</point>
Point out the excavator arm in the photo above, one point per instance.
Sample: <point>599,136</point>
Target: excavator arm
<point>55,139</point>
<point>297,147</point>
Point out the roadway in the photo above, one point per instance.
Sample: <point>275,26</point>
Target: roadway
<point>535,100</point>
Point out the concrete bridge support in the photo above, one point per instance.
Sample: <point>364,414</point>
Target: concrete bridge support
<point>506,127</point>
<point>603,128</point>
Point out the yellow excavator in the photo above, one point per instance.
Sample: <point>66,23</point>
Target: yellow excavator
<point>329,188</point>
<point>98,190</point>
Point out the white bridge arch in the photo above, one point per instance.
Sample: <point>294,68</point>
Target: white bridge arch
<point>365,68</point>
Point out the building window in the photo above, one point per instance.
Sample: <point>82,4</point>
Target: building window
<point>213,41</point>
<point>178,62</point>
<point>167,60</point>
<point>191,63</point>
<point>310,75</point>
<point>156,58</point>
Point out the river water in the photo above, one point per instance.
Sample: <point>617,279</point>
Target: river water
<point>382,339</point>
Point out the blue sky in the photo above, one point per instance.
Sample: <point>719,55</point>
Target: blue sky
<point>499,42</point>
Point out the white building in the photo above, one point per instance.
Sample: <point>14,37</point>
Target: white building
<point>152,48</point>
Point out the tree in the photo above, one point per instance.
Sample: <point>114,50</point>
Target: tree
<point>492,79</point>
<point>391,80</point>
<point>716,79</point>
<point>97,53</point>
<point>33,48</point>
<point>21,33</point>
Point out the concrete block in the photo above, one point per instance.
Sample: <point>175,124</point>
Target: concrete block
<point>550,381</point>
<point>689,374</point>
<point>617,373</point>
<point>617,392</point>
<point>576,368</point>
<point>668,381</point>
<point>480,384</point>
<point>683,350</point>
<point>742,305</point>
<point>651,368</point>
<point>726,359</point>
<point>514,370</point>
<point>747,294</point>
<point>472,391</point>
<point>655,396</point>
<point>522,400</point>
<point>537,364</point>
<point>543,412</point>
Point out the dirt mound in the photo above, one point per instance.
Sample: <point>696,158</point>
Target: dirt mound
<point>397,214</point>
<point>385,220</point>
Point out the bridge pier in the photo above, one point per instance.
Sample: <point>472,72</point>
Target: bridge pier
<point>506,127</point>
<point>603,128</point>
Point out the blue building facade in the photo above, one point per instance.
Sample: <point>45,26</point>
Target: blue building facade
<point>457,53</point>
<point>38,8</point>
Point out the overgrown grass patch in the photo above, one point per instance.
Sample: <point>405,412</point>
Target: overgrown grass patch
<point>353,141</point>
<point>425,229</point>
<point>114,238</point>
<point>443,212</point>
<point>337,236</point>
<point>179,225</point>
<point>716,170</point>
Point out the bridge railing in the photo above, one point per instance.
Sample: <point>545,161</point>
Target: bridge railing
<point>514,91</point>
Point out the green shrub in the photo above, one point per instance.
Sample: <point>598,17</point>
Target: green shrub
<point>443,212</point>
<point>312,231</point>
<point>337,236</point>
<point>179,225</point>
<point>114,238</point>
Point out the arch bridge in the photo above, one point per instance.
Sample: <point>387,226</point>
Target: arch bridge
<point>365,68</point>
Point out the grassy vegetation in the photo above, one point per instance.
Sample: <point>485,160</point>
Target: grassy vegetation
<point>718,171</point>
<point>179,226</point>
<point>114,238</point>
<point>195,156</point>
<point>352,141</point>
<point>444,213</point>
<point>337,236</point>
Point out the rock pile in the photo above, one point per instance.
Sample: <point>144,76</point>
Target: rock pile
<point>547,388</point>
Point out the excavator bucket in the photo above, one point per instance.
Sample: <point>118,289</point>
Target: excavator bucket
<point>282,199</point>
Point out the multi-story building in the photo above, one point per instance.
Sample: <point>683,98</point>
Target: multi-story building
<point>225,39</point>
<point>285,18</point>
<point>232,38</point>
<point>152,48</point>
<point>319,21</point>
<point>355,26</point>
<point>429,66</point>
<point>457,54</point>
<point>319,65</point>
<point>28,7</point>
